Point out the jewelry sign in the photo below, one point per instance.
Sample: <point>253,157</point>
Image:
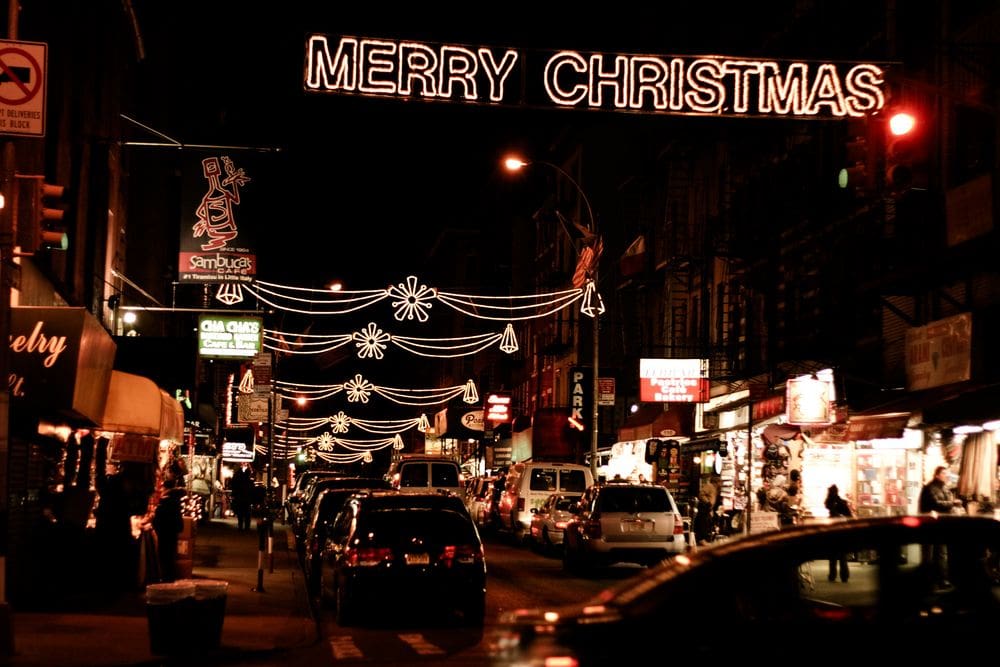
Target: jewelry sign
<point>22,88</point>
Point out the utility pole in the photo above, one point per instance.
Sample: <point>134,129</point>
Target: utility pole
<point>8,234</point>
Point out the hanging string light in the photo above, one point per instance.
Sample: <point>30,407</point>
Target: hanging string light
<point>371,343</point>
<point>412,300</point>
<point>359,390</point>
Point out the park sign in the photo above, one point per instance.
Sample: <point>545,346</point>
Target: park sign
<point>692,85</point>
<point>229,337</point>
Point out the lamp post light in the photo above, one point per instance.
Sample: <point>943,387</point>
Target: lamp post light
<point>516,164</point>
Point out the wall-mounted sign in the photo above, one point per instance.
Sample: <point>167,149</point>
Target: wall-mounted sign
<point>473,420</point>
<point>237,452</point>
<point>701,85</point>
<point>229,337</point>
<point>60,362</point>
<point>498,408</point>
<point>939,353</point>
<point>673,380</point>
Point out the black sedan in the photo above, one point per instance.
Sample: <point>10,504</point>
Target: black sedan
<point>917,586</point>
<point>389,551</point>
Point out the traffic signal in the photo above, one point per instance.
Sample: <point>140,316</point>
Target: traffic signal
<point>40,212</point>
<point>857,175</point>
<point>904,153</point>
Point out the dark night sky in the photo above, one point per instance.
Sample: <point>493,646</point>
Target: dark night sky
<point>230,73</point>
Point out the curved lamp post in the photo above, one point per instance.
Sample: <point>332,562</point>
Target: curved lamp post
<point>516,164</point>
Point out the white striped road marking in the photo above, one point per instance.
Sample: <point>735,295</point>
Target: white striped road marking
<point>343,647</point>
<point>421,645</point>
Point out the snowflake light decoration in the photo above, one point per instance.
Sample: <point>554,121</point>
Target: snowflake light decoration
<point>370,341</point>
<point>358,389</point>
<point>325,442</point>
<point>412,301</point>
<point>340,423</point>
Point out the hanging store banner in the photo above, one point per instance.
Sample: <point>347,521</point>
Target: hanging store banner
<point>690,85</point>
<point>224,201</point>
<point>810,400</point>
<point>939,353</point>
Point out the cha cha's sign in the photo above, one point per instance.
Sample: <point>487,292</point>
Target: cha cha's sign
<point>229,337</point>
<point>625,82</point>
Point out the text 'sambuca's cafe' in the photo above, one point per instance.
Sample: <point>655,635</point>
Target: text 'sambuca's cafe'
<point>675,84</point>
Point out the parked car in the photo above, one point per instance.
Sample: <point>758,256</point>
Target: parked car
<point>477,499</point>
<point>302,484</point>
<point>770,592</point>
<point>529,483</point>
<point>549,520</point>
<point>303,510</point>
<point>617,522</point>
<point>327,506</point>
<point>404,550</point>
<point>420,473</point>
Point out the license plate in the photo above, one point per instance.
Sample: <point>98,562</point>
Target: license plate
<point>417,559</point>
<point>638,526</point>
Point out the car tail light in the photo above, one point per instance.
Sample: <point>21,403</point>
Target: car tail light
<point>520,504</point>
<point>367,556</point>
<point>678,525</point>
<point>561,525</point>
<point>463,554</point>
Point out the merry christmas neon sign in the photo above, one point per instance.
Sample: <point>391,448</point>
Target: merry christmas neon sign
<point>680,85</point>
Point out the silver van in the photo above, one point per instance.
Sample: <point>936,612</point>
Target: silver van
<point>529,483</point>
<point>420,473</point>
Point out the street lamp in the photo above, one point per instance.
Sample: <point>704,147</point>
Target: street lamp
<point>516,164</point>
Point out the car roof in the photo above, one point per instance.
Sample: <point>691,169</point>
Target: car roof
<point>839,533</point>
<point>395,499</point>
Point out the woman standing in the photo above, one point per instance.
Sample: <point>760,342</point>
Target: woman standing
<point>837,507</point>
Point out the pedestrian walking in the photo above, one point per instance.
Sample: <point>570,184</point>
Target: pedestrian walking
<point>242,487</point>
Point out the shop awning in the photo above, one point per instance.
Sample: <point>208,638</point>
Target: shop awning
<point>653,421</point>
<point>136,406</point>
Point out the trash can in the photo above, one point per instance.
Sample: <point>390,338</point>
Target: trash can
<point>210,611</point>
<point>169,608</point>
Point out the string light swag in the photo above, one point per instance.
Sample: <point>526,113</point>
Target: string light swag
<point>412,300</point>
<point>342,423</point>
<point>371,343</point>
<point>359,390</point>
<point>324,447</point>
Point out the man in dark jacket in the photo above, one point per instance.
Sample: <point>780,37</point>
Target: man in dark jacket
<point>936,497</point>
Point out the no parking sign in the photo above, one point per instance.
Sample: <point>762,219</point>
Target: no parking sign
<point>22,88</point>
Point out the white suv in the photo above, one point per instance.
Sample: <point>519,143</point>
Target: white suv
<point>623,523</point>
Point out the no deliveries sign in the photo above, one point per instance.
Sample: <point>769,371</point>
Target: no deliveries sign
<point>22,88</point>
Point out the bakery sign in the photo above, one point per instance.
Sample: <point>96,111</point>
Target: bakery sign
<point>673,380</point>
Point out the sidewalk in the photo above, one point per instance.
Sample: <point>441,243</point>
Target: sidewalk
<point>257,624</point>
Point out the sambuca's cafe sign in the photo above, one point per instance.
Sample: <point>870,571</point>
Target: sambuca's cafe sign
<point>627,82</point>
